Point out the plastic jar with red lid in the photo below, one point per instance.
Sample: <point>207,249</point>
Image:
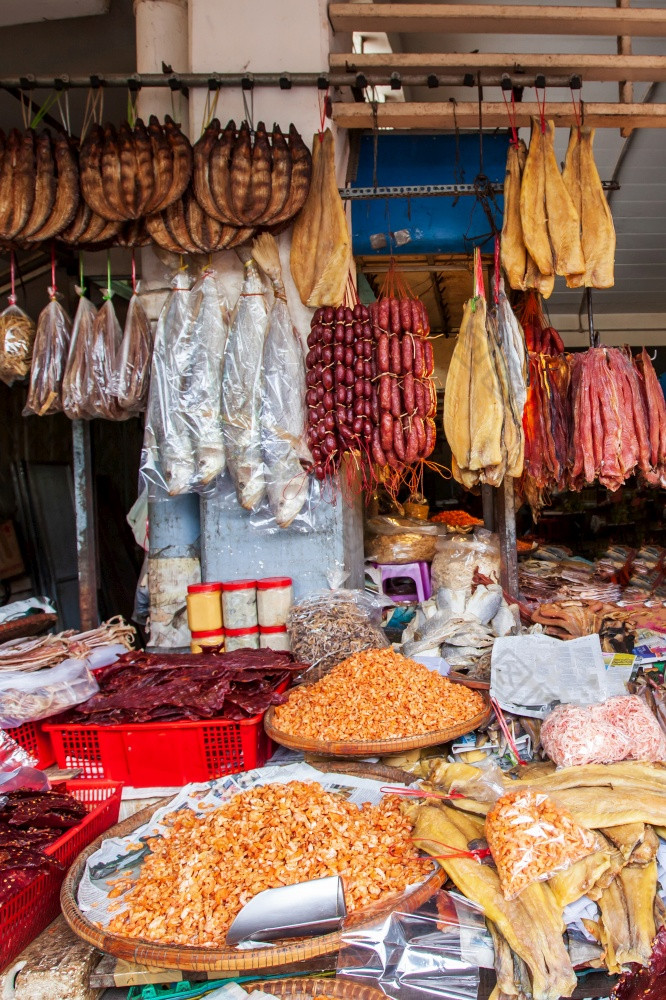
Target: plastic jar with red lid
<point>239,604</point>
<point>241,638</point>
<point>275,637</point>
<point>203,642</point>
<point>204,607</point>
<point>275,596</point>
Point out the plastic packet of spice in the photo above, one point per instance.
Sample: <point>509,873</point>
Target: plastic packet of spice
<point>49,360</point>
<point>17,334</point>
<point>435,951</point>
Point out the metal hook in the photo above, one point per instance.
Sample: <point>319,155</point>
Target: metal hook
<point>652,357</point>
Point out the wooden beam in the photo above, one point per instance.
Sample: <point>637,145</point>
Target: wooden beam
<point>440,115</point>
<point>497,18</point>
<point>626,87</point>
<point>624,67</point>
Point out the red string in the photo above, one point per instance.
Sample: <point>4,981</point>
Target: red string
<point>511,112</point>
<point>455,852</point>
<point>507,733</point>
<point>54,288</point>
<point>12,278</point>
<point>497,269</point>
<point>322,100</point>
<point>576,107</point>
<point>542,109</point>
<point>133,273</point>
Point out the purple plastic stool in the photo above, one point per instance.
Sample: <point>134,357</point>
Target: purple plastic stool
<point>419,572</point>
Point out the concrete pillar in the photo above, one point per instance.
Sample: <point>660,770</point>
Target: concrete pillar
<point>161,37</point>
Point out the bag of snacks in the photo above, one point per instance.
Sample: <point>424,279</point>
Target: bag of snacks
<point>326,628</point>
<point>17,335</point>
<point>50,352</point>
<point>530,838</point>
<point>395,540</point>
<point>459,556</point>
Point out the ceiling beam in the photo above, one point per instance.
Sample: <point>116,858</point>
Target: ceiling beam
<point>440,115</point>
<point>493,18</point>
<point>589,67</point>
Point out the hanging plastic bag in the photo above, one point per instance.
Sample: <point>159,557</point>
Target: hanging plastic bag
<point>49,359</point>
<point>201,386</point>
<point>286,455</point>
<point>167,460</point>
<point>17,335</point>
<point>241,391</point>
<point>134,357</point>
<point>74,396</point>
<point>101,382</point>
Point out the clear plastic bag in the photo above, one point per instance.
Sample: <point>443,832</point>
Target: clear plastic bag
<point>287,458</point>
<point>621,728</point>
<point>134,356</point>
<point>459,556</point>
<point>17,335</point>
<point>49,360</point>
<point>328,627</point>
<point>201,385</point>
<point>167,460</point>
<point>531,837</point>
<point>27,697</point>
<point>433,952</point>
<point>400,540</point>
<point>12,754</point>
<point>74,397</point>
<point>101,382</point>
<point>310,518</point>
<point>241,391</point>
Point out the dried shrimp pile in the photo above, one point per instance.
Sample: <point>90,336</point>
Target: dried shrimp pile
<point>199,877</point>
<point>621,728</point>
<point>376,695</point>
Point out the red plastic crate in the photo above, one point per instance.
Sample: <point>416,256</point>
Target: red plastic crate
<point>154,754</point>
<point>25,915</point>
<point>32,738</point>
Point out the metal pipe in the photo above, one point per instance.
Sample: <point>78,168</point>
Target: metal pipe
<point>213,81</point>
<point>84,507</point>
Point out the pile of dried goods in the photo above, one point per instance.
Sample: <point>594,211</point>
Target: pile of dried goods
<point>531,838</point>
<point>33,654</point>
<point>326,628</point>
<point>198,878</point>
<point>376,695</point>
<point>151,687</point>
<point>456,519</point>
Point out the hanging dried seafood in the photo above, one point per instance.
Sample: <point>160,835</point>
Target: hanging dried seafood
<point>39,185</point>
<point>184,227</point>
<point>132,172</point>
<point>246,184</point>
<point>321,246</point>
<point>134,357</point>
<point>581,179</point>
<point>49,359</point>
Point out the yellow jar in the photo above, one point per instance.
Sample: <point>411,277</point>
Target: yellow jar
<point>204,642</point>
<point>204,607</point>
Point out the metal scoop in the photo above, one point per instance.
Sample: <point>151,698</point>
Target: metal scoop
<point>291,911</point>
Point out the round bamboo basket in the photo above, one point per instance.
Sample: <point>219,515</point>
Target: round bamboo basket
<point>306,989</point>
<point>366,748</point>
<point>213,959</point>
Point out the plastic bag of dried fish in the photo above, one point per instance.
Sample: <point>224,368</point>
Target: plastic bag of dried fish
<point>17,335</point>
<point>326,628</point>
<point>286,455</point>
<point>459,556</point>
<point>27,697</point>
<point>49,359</point>
<point>241,391</point>
<point>74,397</point>
<point>199,399</point>
<point>400,540</point>
<point>167,460</point>
<point>101,383</point>
<point>134,357</point>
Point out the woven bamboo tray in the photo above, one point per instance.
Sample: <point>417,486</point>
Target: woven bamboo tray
<point>366,748</point>
<point>305,989</point>
<point>166,956</point>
